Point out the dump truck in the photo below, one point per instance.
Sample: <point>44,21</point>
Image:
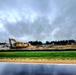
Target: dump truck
<point>16,44</point>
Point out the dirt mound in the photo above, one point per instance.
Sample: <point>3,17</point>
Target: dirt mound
<point>31,47</point>
<point>63,46</point>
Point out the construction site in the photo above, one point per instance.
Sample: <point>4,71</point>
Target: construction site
<point>17,45</point>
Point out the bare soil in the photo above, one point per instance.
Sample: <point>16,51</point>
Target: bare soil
<point>48,47</point>
<point>51,61</point>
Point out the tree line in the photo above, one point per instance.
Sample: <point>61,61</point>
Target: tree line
<point>3,43</point>
<point>61,42</point>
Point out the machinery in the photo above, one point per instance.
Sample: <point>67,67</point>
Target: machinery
<point>16,44</point>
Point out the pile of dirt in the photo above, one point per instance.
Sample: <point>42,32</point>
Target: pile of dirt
<point>31,47</point>
<point>46,47</point>
<point>63,47</point>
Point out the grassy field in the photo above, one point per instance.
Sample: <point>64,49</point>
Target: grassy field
<point>40,54</point>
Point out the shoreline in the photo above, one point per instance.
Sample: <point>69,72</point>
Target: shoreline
<point>26,50</point>
<point>45,61</point>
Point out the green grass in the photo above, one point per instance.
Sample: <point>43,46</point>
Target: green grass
<point>39,54</point>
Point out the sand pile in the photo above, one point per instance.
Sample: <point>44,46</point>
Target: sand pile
<point>62,47</point>
<point>31,47</point>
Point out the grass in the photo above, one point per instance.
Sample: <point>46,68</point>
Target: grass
<point>40,54</point>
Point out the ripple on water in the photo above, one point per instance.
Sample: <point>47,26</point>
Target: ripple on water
<point>37,69</point>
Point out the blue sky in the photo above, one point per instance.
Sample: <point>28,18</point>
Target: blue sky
<point>26,20</point>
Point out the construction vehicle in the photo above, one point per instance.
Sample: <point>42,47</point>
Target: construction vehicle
<point>17,44</point>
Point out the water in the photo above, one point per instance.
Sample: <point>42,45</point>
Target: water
<point>37,69</point>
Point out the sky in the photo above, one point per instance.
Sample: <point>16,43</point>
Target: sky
<point>42,20</point>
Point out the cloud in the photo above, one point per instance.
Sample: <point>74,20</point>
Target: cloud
<point>38,19</point>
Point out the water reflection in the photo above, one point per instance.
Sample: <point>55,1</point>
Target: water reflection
<point>36,69</point>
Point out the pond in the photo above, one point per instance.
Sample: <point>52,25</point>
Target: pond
<point>37,69</point>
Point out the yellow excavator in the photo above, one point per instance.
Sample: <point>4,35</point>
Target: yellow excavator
<point>16,44</point>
